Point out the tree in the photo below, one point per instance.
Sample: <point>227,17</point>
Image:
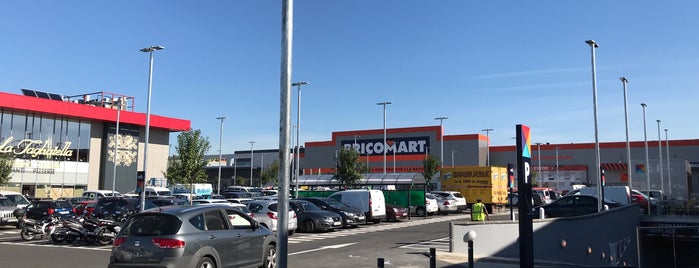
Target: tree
<point>6,162</point>
<point>430,164</point>
<point>271,174</point>
<point>187,166</point>
<point>348,169</point>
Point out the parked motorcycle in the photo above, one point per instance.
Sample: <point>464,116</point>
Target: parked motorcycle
<point>45,226</point>
<point>108,229</point>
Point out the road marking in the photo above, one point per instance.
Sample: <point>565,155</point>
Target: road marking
<point>56,246</point>
<point>322,248</point>
<point>440,244</point>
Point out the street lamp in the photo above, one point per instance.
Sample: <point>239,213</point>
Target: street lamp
<point>235,170</point>
<point>150,51</point>
<point>441,140</point>
<point>452,157</point>
<point>116,142</point>
<point>220,140</point>
<point>594,45</point>
<point>487,153</point>
<point>669,181</point>
<point>298,131</point>
<point>660,153</point>
<point>557,179</point>
<point>645,142</point>
<point>628,145</point>
<point>251,160</point>
<point>384,133</point>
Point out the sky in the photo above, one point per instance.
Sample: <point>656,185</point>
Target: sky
<point>482,64</point>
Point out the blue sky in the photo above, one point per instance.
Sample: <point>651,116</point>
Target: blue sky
<point>482,64</point>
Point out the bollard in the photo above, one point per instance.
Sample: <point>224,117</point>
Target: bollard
<point>542,214</point>
<point>470,254</point>
<point>606,207</point>
<point>433,258</point>
<point>379,262</point>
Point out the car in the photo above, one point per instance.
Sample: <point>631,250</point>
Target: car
<point>371,202</point>
<point>461,203</point>
<point>94,194</point>
<point>7,207</point>
<point>574,205</point>
<point>237,195</point>
<point>187,197</point>
<point>19,200</point>
<point>169,201</point>
<point>395,212</point>
<point>314,219</point>
<point>84,207</point>
<point>250,191</point>
<point>430,208</point>
<point>42,208</point>
<point>265,211</point>
<point>512,199</point>
<point>242,208</point>
<point>239,200</point>
<point>351,217</point>
<point>445,204</point>
<point>193,236</point>
<point>75,199</point>
<point>210,201</point>
<point>642,200</point>
<point>108,207</point>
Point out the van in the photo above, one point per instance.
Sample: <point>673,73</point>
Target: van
<point>16,198</point>
<point>94,194</point>
<point>158,191</point>
<point>621,194</point>
<point>371,202</point>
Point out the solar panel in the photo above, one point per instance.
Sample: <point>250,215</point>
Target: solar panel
<point>42,95</point>
<point>54,96</point>
<point>28,92</point>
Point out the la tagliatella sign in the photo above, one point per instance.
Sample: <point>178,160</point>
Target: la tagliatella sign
<point>35,148</point>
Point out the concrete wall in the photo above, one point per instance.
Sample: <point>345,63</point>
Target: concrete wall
<point>611,236</point>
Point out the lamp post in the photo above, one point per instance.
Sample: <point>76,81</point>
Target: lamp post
<point>487,153</point>
<point>538,173</point>
<point>645,142</point>
<point>220,140</point>
<point>557,179</point>
<point>441,139</point>
<point>235,170</point>
<point>594,45</point>
<point>251,160</point>
<point>660,154</point>
<point>384,133</point>
<point>150,51</point>
<point>116,143</point>
<point>298,132</point>
<point>669,181</point>
<point>452,157</point>
<point>625,81</point>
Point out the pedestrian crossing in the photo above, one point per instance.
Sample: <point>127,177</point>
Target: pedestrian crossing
<point>440,244</point>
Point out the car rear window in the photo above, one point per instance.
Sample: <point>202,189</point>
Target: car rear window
<point>152,225</point>
<point>458,195</point>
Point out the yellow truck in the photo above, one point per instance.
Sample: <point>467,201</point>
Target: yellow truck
<point>475,182</point>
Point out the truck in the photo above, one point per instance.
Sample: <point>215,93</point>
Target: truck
<point>490,183</point>
<point>203,189</point>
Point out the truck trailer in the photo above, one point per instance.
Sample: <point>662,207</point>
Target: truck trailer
<point>476,182</point>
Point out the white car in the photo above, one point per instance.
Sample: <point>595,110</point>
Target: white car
<point>430,207</point>
<point>445,204</point>
<point>265,212</point>
<point>210,201</point>
<point>460,199</point>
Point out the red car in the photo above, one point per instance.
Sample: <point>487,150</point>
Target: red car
<point>642,200</point>
<point>84,207</point>
<point>395,212</point>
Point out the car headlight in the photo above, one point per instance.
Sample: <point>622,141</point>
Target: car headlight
<point>349,214</point>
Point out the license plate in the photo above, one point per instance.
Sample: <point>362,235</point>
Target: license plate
<point>63,212</point>
<point>337,223</point>
<point>361,218</point>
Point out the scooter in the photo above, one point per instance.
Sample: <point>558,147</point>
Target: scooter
<point>45,226</point>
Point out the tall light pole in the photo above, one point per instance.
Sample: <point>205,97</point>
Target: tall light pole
<point>235,170</point>
<point>441,139</point>
<point>487,152</point>
<point>594,45</point>
<point>116,143</point>
<point>150,51</point>
<point>660,154</point>
<point>220,140</point>
<point>628,145</point>
<point>452,157</point>
<point>296,164</point>
<point>384,133</point>
<point>645,142</point>
<point>669,181</point>
<point>538,173</point>
<point>251,160</point>
<point>298,132</point>
<point>557,179</point>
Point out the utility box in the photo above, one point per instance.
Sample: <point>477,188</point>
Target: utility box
<point>476,182</point>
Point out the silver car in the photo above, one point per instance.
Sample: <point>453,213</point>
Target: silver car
<point>265,212</point>
<point>193,236</point>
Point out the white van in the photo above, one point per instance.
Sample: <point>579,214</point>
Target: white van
<point>621,194</point>
<point>95,194</point>
<point>158,191</point>
<point>15,197</point>
<point>372,202</point>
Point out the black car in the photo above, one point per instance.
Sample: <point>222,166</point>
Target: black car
<point>168,201</point>
<point>107,207</point>
<point>574,205</point>
<point>351,217</point>
<point>312,219</point>
<point>42,208</point>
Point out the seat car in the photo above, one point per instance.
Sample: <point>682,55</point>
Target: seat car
<point>351,217</point>
<point>6,209</point>
<point>314,219</point>
<point>42,208</point>
<point>193,236</point>
<point>574,205</point>
<point>265,211</point>
<point>395,212</point>
<point>461,203</point>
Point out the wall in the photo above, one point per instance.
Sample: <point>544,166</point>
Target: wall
<point>610,233</point>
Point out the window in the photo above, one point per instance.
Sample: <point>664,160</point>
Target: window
<point>237,220</point>
<point>215,221</point>
<point>197,221</point>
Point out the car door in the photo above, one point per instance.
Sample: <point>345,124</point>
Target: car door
<point>220,237</point>
<point>249,241</point>
<point>560,208</point>
<point>584,205</point>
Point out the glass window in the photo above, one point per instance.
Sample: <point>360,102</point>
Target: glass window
<point>19,125</point>
<point>237,220</point>
<point>152,225</point>
<point>197,221</point>
<point>6,125</point>
<point>84,142</point>
<point>215,221</point>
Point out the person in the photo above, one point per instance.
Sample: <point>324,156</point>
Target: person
<point>478,211</point>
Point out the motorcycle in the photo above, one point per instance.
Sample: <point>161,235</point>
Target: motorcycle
<point>45,226</point>
<point>109,228</point>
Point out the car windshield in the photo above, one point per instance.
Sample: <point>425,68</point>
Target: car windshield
<point>6,203</point>
<point>307,206</point>
<point>17,199</point>
<point>458,195</point>
<point>151,225</point>
<point>334,203</point>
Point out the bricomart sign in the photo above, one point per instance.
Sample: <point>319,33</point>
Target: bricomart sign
<point>401,146</point>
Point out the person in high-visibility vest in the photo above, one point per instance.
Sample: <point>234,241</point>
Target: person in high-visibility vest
<point>478,211</point>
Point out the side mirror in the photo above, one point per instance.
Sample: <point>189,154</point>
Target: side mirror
<point>255,225</point>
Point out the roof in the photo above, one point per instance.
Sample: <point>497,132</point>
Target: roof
<point>367,179</point>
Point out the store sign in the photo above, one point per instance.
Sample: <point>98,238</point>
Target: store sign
<point>34,148</point>
<point>399,146</point>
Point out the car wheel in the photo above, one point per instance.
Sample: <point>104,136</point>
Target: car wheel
<point>26,234</point>
<point>309,226</point>
<point>270,257</point>
<point>57,238</point>
<point>420,212</point>
<point>206,262</point>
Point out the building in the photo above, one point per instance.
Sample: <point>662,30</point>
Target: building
<point>63,145</point>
